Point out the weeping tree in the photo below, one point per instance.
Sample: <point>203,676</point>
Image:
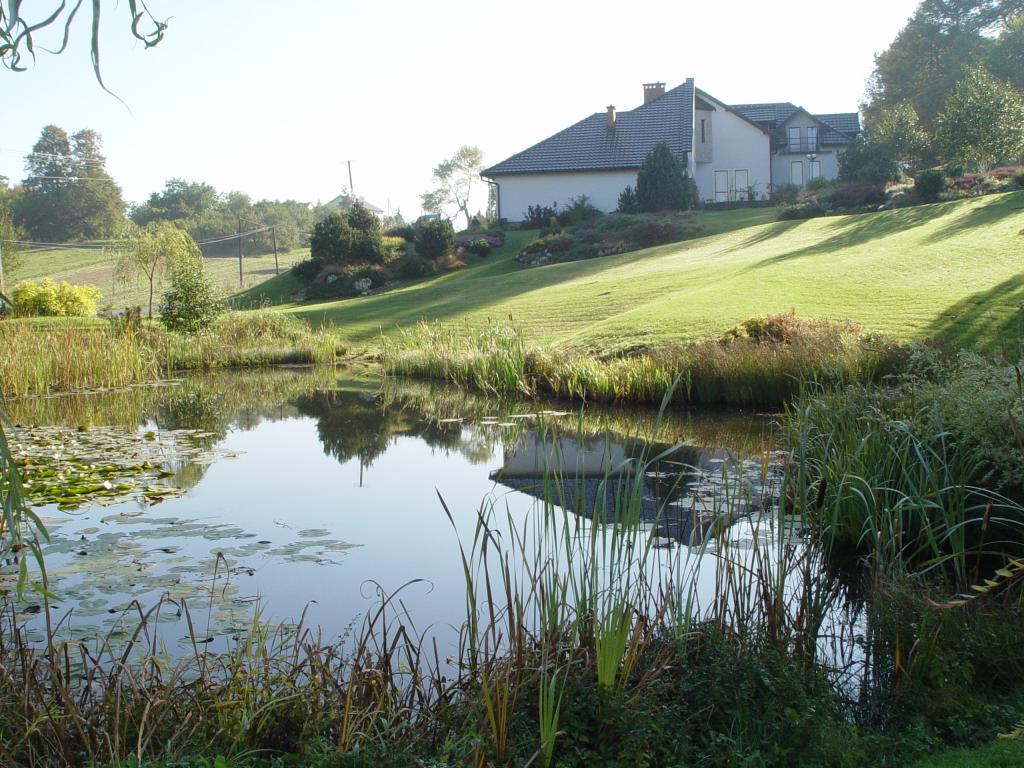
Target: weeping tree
<point>148,252</point>
<point>20,32</point>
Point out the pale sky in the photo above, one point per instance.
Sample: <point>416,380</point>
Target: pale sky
<point>271,98</point>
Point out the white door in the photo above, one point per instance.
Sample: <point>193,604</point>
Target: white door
<point>796,172</point>
<point>721,186</point>
<point>742,183</point>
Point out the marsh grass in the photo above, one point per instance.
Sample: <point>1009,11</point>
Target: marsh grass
<point>739,370</point>
<point>39,358</point>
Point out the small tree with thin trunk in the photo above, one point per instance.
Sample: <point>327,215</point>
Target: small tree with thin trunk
<point>149,251</point>
<point>455,178</point>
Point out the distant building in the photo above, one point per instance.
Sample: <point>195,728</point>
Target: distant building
<point>345,201</point>
<point>734,152</point>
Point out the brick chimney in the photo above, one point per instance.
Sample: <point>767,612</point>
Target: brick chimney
<point>652,91</point>
<point>611,115</point>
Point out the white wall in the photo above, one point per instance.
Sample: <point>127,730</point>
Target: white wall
<point>737,145</point>
<point>516,193</point>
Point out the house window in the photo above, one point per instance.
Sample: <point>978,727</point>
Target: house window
<point>703,135</point>
<point>721,186</point>
<point>814,169</point>
<point>794,139</point>
<point>796,172</point>
<point>812,140</point>
<point>741,183</point>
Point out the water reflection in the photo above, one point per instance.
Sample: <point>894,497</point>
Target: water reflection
<point>335,481</point>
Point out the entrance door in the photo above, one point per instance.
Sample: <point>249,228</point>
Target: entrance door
<point>721,186</point>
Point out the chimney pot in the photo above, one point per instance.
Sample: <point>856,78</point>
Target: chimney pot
<point>611,115</point>
<point>653,91</point>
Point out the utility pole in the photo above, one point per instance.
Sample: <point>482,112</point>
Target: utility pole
<point>1,268</point>
<point>277,267</point>
<point>239,251</point>
<point>351,189</point>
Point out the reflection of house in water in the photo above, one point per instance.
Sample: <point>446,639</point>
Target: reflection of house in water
<point>607,480</point>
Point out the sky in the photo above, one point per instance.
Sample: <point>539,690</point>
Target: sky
<point>273,98</point>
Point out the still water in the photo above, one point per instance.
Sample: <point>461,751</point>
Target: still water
<point>314,489</point>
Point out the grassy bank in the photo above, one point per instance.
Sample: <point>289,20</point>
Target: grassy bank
<point>948,270</point>
<point>55,356</point>
<point>761,362</point>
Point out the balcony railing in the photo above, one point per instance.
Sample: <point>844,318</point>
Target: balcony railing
<point>802,146</point>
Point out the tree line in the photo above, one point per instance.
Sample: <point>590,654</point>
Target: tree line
<point>67,195</point>
<point>949,89</point>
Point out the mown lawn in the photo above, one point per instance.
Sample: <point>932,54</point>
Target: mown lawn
<point>953,270</point>
<point>97,267</point>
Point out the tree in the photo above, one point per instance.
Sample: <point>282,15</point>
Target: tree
<point>191,303</point>
<point>67,193</point>
<point>18,34</point>
<point>179,200</point>
<point>896,131</point>
<point>982,122</point>
<point>628,202</point>
<point>150,251</point>
<point>1006,59</point>
<point>455,178</point>
<point>662,183</point>
<point>971,16</point>
<point>864,161</point>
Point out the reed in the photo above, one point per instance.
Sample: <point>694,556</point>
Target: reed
<point>737,371</point>
<point>40,358</point>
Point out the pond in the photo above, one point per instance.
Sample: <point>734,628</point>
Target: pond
<point>315,490</point>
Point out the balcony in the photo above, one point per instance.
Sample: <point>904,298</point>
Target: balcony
<point>802,146</point>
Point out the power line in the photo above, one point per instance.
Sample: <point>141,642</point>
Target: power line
<point>93,246</point>
<point>71,178</point>
<point>232,237</point>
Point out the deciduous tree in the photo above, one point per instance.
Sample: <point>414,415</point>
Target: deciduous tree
<point>150,251</point>
<point>455,179</point>
<point>983,121</point>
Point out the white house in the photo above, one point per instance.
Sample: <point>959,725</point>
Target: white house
<point>733,152</point>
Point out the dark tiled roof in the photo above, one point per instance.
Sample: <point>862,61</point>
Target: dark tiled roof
<point>839,128</point>
<point>844,122</point>
<point>590,145</point>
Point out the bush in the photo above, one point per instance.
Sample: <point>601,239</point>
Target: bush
<point>867,161</point>
<point>579,211</point>
<point>628,201</point>
<point>434,239</point>
<point>808,210</point>
<point>347,238</point>
<point>856,194</point>
<point>930,184</point>
<point>191,304</point>
<point>819,183</point>
<point>411,266</point>
<point>49,299</point>
<point>537,216</point>
<point>785,194</point>
<point>307,270</point>
<point>403,231</point>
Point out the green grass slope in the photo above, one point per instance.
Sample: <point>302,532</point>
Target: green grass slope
<point>952,270</point>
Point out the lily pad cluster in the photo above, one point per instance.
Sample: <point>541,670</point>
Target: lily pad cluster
<point>104,465</point>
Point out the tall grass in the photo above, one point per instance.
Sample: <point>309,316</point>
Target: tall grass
<point>740,370</point>
<point>39,358</point>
